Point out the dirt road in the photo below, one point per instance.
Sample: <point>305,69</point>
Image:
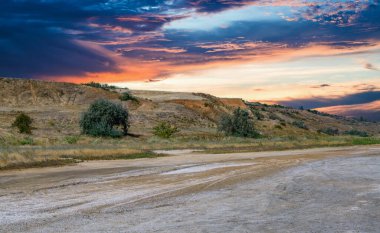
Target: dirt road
<point>316,190</point>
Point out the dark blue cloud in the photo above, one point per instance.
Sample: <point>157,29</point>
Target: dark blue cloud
<point>320,102</point>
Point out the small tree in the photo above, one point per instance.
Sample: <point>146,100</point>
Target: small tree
<point>239,124</point>
<point>23,123</point>
<point>101,118</point>
<point>165,130</point>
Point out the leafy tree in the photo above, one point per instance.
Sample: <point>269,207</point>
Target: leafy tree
<point>23,122</point>
<point>102,117</point>
<point>239,124</point>
<point>165,130</point>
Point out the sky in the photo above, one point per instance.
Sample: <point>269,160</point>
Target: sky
<point>317,54</point>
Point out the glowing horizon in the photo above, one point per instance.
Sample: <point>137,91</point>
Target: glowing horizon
<point>290,52</point>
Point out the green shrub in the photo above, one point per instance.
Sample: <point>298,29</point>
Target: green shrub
<point>72,139</point>
<point>26,141</point>
<point>239,124</point>
<point>102,117</point>
<point>23,122</point>
<point>359,133</point>
<point>165,130</point>
<point>300,124</point>
<point>126,96</point>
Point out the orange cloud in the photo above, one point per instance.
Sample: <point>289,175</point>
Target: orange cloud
<point>137,70</point>
<point>368,110</point>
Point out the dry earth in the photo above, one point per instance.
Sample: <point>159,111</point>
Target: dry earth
<point>315,190</point>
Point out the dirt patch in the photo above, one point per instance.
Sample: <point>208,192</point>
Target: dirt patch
<point>259,194</point>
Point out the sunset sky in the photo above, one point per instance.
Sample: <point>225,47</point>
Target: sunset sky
<point>316,54</point>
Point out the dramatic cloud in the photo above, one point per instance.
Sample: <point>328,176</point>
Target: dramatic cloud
<point>152,41</point>
<point>369,111</point>
<point>73,38</point>
<point>319,102</point>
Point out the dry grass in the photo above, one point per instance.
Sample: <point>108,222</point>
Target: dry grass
<point>132,148</point>
<point>34,156</point>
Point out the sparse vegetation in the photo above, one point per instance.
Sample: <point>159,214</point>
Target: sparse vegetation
<point>239,124</point>
<point>165,130</point>
<point>23,122</point>
<point>102,117</point>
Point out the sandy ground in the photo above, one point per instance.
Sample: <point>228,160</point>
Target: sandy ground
<point>316,190</point>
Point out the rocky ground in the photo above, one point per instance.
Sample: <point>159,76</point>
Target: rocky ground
<point>316,190</point>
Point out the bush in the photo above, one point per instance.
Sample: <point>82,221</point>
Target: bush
<point>23,123</point>
<point>355,132</point>
<point>300,124</point>
<point>239,124</point>
<point>165,130</point>
<point>26,141</point>
<point>128,96</point>
<point>101,118</point>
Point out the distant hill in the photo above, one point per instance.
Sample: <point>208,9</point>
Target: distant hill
<point>56,109</point>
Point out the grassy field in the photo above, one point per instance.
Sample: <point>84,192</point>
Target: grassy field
<point>15,156</point>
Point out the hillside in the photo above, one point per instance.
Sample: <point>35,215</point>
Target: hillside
<point>56,109</point>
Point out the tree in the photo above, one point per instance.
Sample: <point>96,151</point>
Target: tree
<point>102,117</point>
<point>23,122</point>
<point>238,124</point>
<point>165,130</point>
